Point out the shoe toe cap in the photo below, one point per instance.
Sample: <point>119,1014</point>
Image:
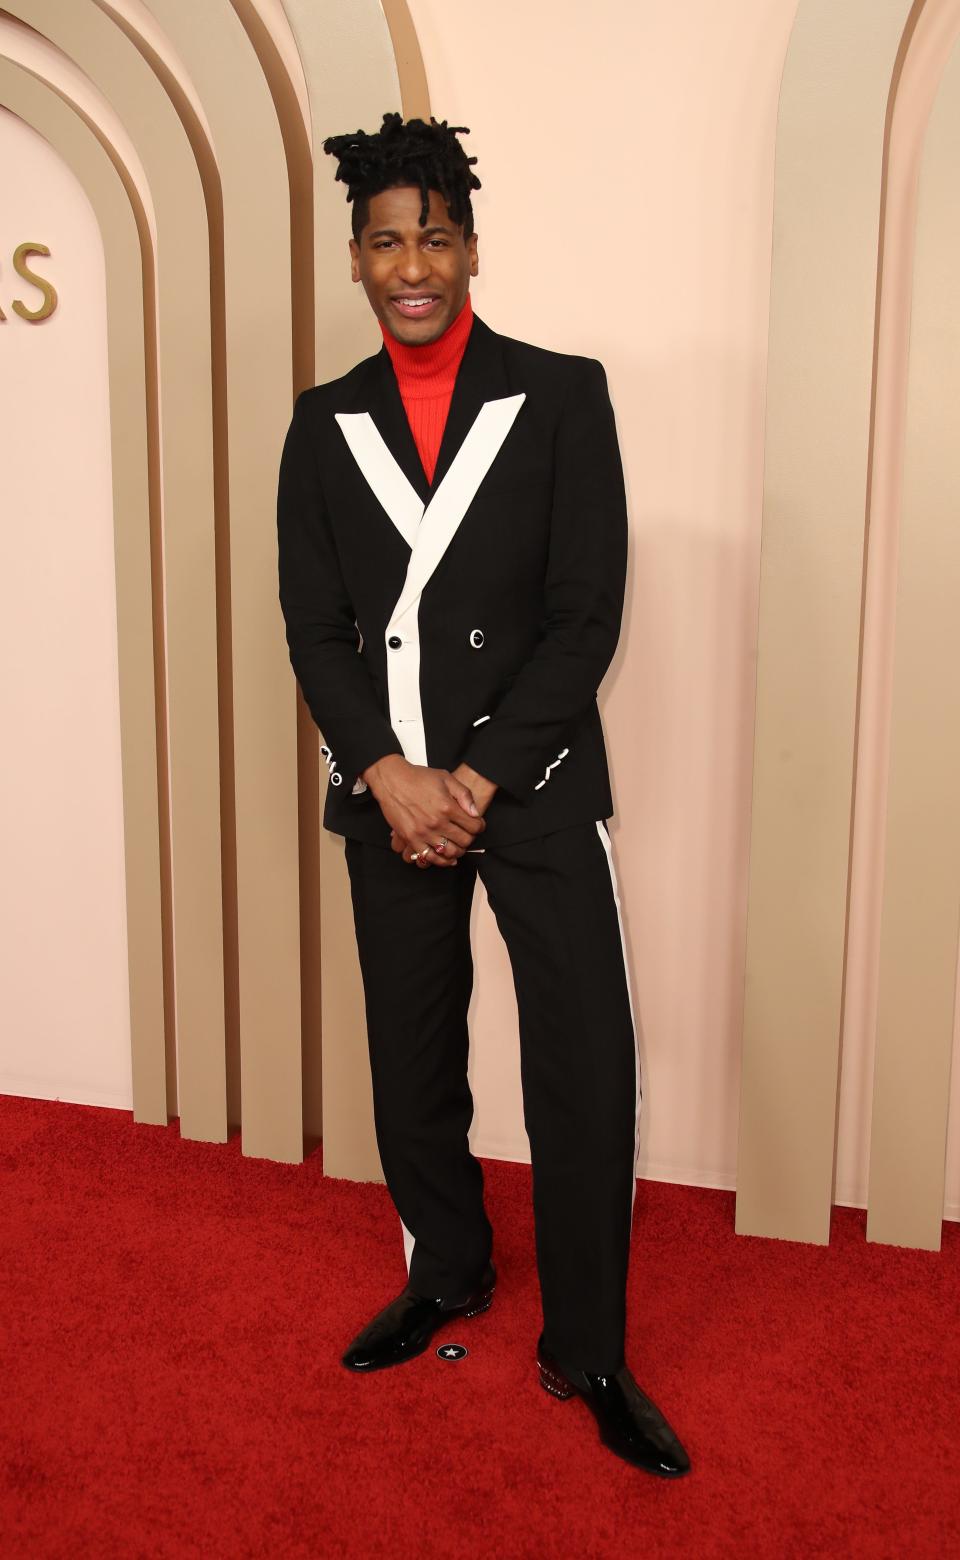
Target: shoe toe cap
<point>357,1359</point>
<point>674,1459</point>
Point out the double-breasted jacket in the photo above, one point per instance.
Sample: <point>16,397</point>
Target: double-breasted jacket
<point>468,619</point>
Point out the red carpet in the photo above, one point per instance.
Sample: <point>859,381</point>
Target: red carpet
<point>172,1319</point>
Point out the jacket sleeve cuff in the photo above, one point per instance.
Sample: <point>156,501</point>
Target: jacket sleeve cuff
<point>349,762</point>
<point>490,757</point>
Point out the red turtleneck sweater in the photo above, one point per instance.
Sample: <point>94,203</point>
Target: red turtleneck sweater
<point>426,375</point>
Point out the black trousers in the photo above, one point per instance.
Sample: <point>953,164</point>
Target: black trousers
<point>556,905</point>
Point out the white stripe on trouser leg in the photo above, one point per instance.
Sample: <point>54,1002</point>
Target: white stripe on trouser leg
<point>407,1245</point>
<point>605,841</point>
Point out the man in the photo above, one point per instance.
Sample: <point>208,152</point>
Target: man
<point>452,556</point>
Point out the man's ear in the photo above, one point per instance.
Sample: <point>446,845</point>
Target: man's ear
<point>472,252</point>
<point>354,260</point>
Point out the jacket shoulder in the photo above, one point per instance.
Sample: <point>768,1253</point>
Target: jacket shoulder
<point>334,394</point>
<point>546,363</point>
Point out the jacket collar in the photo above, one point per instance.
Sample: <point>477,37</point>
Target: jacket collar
<point>481,377</point>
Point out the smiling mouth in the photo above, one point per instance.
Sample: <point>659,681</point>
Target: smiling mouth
<point>413,305</point>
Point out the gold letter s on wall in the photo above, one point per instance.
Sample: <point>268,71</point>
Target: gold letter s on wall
<point>46,288</point>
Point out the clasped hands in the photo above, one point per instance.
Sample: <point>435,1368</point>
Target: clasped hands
<point>434,814</point>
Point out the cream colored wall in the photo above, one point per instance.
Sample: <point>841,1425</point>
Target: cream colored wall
<point>917,91</point>
<point>213,865</point>
<point>627,159</point>
<point>626,154</point>
<point>667,281</point>
<point>63,954</point>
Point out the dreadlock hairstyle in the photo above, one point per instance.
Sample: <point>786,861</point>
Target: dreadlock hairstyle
<point>412,152</point>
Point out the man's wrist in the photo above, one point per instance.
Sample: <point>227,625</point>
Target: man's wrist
<point>375,773</point>
<point>483,789</point>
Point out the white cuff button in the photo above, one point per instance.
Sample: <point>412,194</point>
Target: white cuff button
<point>476,637</point>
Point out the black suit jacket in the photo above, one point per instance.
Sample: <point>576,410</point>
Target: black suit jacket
<point>471,619</point>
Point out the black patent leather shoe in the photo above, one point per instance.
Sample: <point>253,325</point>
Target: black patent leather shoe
<point>630,1424</point>
<point>403,1329</point>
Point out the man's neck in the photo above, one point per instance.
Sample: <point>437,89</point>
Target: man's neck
<point>422,366</point>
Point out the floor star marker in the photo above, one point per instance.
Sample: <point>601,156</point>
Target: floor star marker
<point>452,1351</point>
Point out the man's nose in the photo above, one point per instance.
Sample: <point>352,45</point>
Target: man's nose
<point>413,265</point>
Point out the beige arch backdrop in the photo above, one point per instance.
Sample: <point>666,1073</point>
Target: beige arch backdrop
<point>197,142</point>
<point>195,133</point>
<point>111,186</point>
<point>839,422</point>
<point>194,920</point>
<point>917,998</point>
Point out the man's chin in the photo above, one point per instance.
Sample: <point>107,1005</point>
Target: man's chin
<point>413,333</point>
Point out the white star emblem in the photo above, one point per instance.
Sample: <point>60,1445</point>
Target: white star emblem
<point>453,1351</point>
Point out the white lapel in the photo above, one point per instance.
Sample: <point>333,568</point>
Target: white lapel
<point>389,484</point>
<point>428,532</point>
<point>456,493</point>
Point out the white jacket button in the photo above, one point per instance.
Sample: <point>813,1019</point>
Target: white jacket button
<point>476,637</point>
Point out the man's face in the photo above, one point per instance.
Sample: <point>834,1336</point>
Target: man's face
<point>400,262</point>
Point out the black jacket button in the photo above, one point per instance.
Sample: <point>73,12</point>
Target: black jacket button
<point>394,641</point>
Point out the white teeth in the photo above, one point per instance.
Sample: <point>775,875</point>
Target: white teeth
<point>413,303</point>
